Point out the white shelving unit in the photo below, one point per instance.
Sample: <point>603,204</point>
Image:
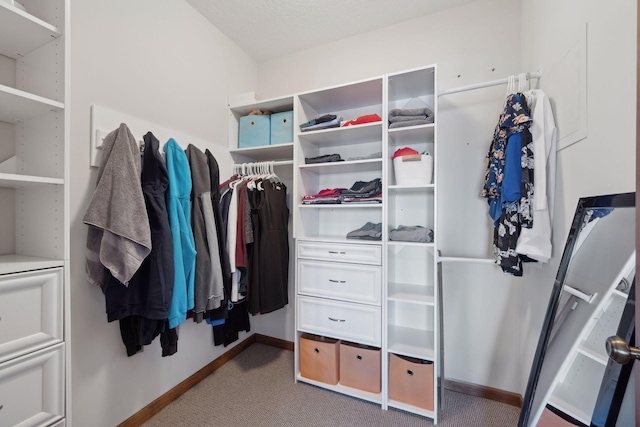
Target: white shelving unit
<point>408,309</point>
<point>412,308</point>
<point>379,293</point>
<point>34,176</point>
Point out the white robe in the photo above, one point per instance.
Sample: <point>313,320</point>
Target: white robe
<point>535,242</point>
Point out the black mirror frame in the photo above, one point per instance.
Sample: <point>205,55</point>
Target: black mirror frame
<point>622,200</point>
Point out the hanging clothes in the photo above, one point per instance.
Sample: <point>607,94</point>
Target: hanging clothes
<point>178,206</point>
<point>269,274</point>
<point>143,307</point>
<point>219,313</point>
<point>509,181</point>
<point>208,272</point>
<point>535,242</point>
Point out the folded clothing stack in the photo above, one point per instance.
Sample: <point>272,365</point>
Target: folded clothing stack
<point>360,192</point>
<point>327,158</point>
<point>328,196</point>
<point>368,118</point>
<point>323,122</point>
<point>410,117</point>
<point>369,231</point>
<point>411,233</point>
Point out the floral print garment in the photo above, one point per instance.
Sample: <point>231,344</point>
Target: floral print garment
<point>514,215</point>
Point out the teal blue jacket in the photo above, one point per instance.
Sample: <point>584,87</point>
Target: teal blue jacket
<point>184,249</point>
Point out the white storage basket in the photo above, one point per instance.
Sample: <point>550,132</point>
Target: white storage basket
<point>412,171</point>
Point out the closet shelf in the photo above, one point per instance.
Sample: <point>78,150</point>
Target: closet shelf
<point>348,135</point>
<point>343,206</point>
<point>412,135</point>
<point>349,391</point>
<point>412,187</point>
<point>9,180</point>
<point>349,166</point>
<point>411,342</point>
<point>411,408</point>
<point>21,33</point>
<point>414,244</point>
<point>593,355</point>
<point>15,263</point>
<point>267,152</point>
<point>576,395</point>
<point>342,239</point>
<point>413,294</point>
<point>344,97</point>
<point>275,105</point>
<point>19,106</point>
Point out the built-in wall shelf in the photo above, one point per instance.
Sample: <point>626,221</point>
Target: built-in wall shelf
<point>411,342</point>
<point>413,244</point>
<point>21,33</point>
<point>410,408</point>
<point>349,166</point>
<point>412,187</point>
<point>335,137</point>
<point>349,391</point>
<point>14,263</point>
<point>9,180</point>
<point>19,106</point>
<point>411,135</point>
<point>343,206</point>
<point>267,152</point>
<point>413,294</point>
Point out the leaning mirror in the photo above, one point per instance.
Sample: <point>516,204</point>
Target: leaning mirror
<point>590,292</point>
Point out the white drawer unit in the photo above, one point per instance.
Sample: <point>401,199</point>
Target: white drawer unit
<point>341,252</point>
<point>32,388</point>
<point>351,322</point>
<point>30,311</point>
<point>349,282</point>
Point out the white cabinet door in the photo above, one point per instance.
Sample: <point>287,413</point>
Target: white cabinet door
<point>32,388</point>
<point>360,254</point>
<point>352,322</point>
<point>349,282</point>
<point>31,311</point>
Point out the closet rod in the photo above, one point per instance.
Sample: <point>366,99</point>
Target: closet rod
<point>485,84</point>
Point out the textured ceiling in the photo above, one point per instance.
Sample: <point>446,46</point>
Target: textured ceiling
<point>267,29</point>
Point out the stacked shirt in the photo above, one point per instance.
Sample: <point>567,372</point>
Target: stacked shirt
<point>360,192</point>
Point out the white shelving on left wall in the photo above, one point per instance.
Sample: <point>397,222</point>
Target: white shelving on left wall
<point>34,195</point>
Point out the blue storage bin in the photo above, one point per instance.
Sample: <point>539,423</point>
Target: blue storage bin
<point>254,131</point>
<point>282,128</point>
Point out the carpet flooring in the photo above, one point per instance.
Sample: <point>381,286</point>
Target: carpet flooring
<point>257,389</point>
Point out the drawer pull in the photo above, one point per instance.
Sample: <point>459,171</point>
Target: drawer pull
<point>359,357</point>
<point>337,281</point>
<point>1,406</point>
<point>317,350</point>
<point>335,320</point>
<point>410,372</point>
<point>337,253</point>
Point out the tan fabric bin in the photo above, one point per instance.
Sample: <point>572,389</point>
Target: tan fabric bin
<point>319,358</point>
<point>360,367</point>
<point>411,381</point>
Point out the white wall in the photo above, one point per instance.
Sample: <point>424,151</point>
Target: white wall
<point>604,162</point>
<point>161,61</point>
<point>470,45</point>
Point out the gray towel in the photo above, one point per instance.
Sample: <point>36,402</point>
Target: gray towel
<point>411,233</point>
<point>397,112</point>
<point>119,235</point>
